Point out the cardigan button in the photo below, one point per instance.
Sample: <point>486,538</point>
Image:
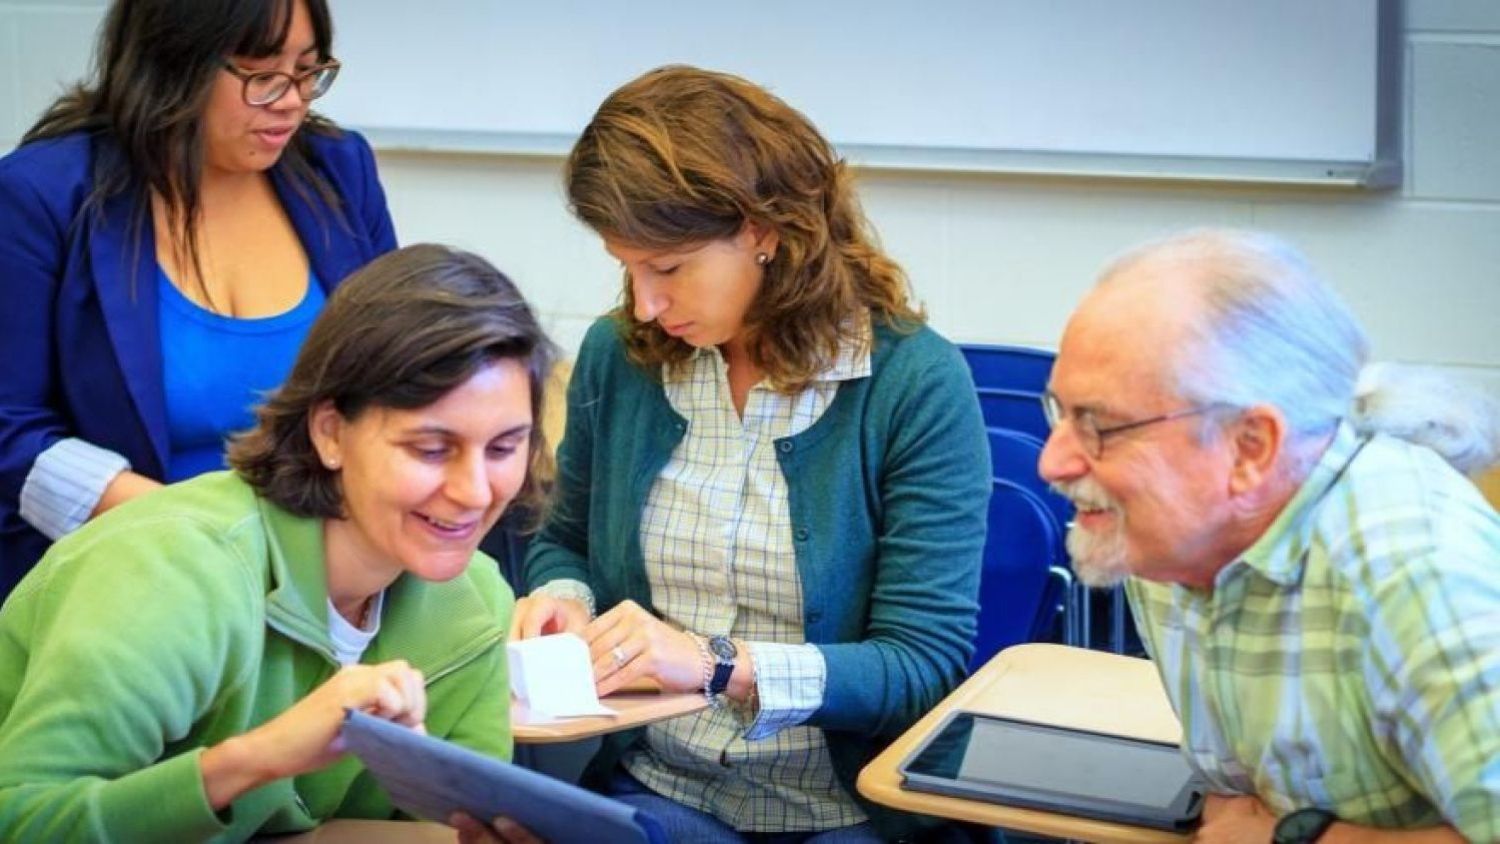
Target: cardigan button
<point>803,534</point>
<point>813,616</point>
<point>785,446</point>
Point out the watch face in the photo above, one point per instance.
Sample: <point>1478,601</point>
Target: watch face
<point>723,648</point>
<point>1304,825</point>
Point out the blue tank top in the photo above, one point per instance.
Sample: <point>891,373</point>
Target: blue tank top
<point>216,368</point>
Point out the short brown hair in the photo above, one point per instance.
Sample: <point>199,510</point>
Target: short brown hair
<point>682,156</point>
<point>400,333</point>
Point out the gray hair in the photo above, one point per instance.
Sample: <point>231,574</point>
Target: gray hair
<point>1270,331</point>
<point>1433,409</point>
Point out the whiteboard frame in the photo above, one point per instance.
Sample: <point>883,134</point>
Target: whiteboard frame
<point>1385,171</point>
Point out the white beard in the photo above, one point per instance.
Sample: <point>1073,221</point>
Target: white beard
<point>1099,560</point>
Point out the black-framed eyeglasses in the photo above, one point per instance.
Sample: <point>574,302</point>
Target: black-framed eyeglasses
<point>264,87</point>
<point>1087,429</point>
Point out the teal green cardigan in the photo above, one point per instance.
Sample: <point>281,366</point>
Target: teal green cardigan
<point>191,615</point>
<point>888,495</point>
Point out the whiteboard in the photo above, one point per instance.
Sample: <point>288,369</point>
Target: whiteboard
<point>1269,90</point>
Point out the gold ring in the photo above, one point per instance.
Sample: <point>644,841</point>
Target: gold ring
<point>618,655</point>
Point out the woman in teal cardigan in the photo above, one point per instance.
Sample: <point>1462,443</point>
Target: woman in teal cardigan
<point>773,478</point>
<point>178,669</point>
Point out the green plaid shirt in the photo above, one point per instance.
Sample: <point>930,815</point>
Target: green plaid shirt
<point>1350,659</point>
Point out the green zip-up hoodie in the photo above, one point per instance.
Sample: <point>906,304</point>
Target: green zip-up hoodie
<point>192,615</point>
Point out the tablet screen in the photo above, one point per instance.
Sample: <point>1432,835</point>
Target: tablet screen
<point>1084,764</point>
<point>996,754</point>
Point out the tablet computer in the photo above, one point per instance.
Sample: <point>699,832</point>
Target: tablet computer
<point>1057,769</point>
<point>431,778</point>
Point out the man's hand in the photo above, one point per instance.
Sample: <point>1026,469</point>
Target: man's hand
<point>1231,819</point>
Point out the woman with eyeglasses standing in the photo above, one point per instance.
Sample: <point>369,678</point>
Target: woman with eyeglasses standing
<point>171,229</point>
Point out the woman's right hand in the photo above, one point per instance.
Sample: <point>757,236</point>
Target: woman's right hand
<point>540,615</point>
<point>500,831</point>
<point>305,737</point>
<point>125,486</point>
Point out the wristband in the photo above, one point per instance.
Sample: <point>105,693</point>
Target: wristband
<point>706,659</point>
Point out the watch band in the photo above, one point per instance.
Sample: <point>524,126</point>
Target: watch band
<point>724,653</point>
<point>1304,826</point>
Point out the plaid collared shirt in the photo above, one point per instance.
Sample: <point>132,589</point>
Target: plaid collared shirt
<point>716,536</point>
<point>1350,659</point>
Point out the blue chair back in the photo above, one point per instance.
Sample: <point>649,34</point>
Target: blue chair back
<point>1009,367</point>
<point>1021,548</point>
<point>1015,410</point>
<point>1014,456</point>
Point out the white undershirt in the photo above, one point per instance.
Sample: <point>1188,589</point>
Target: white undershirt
<point>349,642</point>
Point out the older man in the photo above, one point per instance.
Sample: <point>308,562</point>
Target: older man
<point>1322,599</point>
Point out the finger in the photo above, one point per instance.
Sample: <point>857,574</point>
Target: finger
<point>572,617</point>
<point>561,616</point>
<point>603,624</point>
<point>609,684</point>
<point>513,833</point>
<point>386,694</point>
<point>517,615</point>
<point>415,692</point>
<point>635,651</point>
<point>387,700</point>
<point>642,661</point>
<point>523,620</point>
<point>606,686</point>
<point>470,831</point>
<point>611,662</point>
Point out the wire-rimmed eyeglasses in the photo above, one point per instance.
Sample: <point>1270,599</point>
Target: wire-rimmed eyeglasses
<point>1087,429</point>
<point>263,87</point>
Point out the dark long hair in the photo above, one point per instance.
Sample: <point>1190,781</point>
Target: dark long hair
<point>154,65</point>
<point>400,333</point>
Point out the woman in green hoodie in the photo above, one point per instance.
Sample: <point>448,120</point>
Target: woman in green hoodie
<point>178,669</point>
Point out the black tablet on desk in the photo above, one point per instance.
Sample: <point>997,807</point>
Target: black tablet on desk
<point>1056,769</point>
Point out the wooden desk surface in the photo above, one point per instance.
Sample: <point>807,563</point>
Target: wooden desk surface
<point>368,832</point>
<point>1049,684</point>
<point>636,709</point>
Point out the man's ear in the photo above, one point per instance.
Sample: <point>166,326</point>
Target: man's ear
<point>1257,440</point>
<point>324,426</point>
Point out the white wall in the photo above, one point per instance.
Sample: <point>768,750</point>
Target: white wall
<point>1003,259</point>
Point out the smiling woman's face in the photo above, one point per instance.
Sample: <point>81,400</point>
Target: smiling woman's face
<point>240,138</point>
<point>422,487</point>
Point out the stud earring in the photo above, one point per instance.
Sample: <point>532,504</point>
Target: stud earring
<point>762,258</point>
<point>331,463</point>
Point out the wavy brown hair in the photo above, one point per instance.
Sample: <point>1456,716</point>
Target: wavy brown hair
<point>683,156</point>
<point>400,333</point>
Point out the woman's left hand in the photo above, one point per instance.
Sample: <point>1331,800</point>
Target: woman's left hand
<point>627,643</point>
<point>500,829</point>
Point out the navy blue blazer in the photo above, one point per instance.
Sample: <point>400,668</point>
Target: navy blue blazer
<point>80,351</point>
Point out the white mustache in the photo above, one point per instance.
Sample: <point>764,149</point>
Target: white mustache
<point>1086,494</point>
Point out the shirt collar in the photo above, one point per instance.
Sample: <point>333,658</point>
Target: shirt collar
<point>850,363</point>
<point>297,599</point>
<point>853,359</point>
<point>1280,552</point>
